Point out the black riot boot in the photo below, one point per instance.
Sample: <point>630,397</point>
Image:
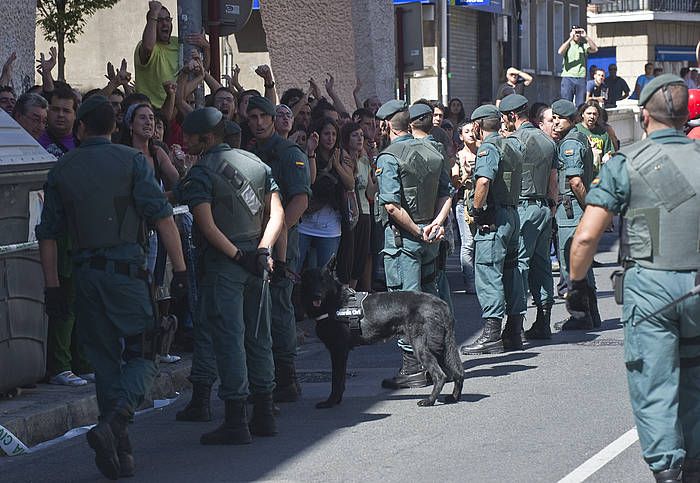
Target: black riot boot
<point>511,335</point>
<point>199,407</point>
<point>668,476</point>
<point>125,454</point>
<point>234,430</point>
<point>287,387</point>
<point>577,323</point>
<point>263,421</point>
<point>541,328</point>
<point>489,342</point>
<point>103,439</point>
<point>691,470</point>
<point>411,374</point>
<point>593,306</point>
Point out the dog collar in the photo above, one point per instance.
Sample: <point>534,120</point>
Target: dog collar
<point>321,317</point>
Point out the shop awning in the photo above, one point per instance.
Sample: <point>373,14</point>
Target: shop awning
<point>675,53</point>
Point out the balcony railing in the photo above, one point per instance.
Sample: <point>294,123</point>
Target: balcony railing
<point>649,5</point>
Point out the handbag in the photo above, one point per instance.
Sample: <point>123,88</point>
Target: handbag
<point>350,209</point>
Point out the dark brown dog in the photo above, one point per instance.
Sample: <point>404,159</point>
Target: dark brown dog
<point>421,319</point>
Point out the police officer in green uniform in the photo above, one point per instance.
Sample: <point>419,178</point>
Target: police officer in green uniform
<point>290,169</point>
<point>499,285</point>
<point>575,176</point>
<point>238,216</point>
<point>413,189</point>
<point>655,185</point>
<point>421,117</point>
<point>538,195</point>
<point>102,194</point>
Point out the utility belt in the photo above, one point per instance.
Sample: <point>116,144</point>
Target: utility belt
<point>532,201</point>
<point>112,266</point>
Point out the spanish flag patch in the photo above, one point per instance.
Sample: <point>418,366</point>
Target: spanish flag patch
<point>569,152</point>
<point>483,153</point>
<point>378,171</point>
<point>595,181</point>
<point>300,164</point>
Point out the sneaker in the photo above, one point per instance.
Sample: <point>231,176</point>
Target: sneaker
<point>67,378</point>
<point>88,376</point>
<point>169,359</point>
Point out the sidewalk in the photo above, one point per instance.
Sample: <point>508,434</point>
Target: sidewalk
<point>48,411</point>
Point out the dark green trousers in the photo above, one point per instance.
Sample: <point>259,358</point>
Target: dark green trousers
<point>662,356</point>
<point>63,352</point>
<point>110,308</point>
<point>226,343</point>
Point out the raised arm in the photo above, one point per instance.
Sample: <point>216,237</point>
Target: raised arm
<point>149,36</point>
<point>565,46</point>
<point>6,74</point>
<point>266,74</point>
<point>337,103</point>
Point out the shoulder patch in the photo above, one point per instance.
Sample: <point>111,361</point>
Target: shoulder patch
<point>483,153</point>
<point>378,171</point>
<point>568,152</point>
<point>595,181</point>
<point>300,164</point>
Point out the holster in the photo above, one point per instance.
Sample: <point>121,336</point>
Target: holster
<point>568,206</point>
<point>398,239</point>
<point>618,283</point>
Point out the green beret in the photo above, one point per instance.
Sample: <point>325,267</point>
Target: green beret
<point>390,108</point>
<point>416,111</point>
<point>90,104</point>
<point>564,108</point>
<point>511,103</point>
<point>231,128</point>
<point>262,103</point>
<point>657,83</point>
<point>485,111</point>
<point>202,121</point>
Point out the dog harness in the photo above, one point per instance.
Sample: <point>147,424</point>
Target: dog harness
<point>352,312</point>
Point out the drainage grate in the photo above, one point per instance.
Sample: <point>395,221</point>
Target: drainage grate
<point>318,376</point>
<point>603,343</point>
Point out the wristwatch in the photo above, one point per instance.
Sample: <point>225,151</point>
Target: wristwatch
<point>270,85</point>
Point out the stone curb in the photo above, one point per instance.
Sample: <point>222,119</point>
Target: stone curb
<point>35,420</point>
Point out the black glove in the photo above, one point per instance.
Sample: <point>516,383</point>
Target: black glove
<point>179,285</point>
<point>55,304</point>
<point>480,216</point>
<point>255,262</point>
<point>279,274</point>
<point>577,298</point>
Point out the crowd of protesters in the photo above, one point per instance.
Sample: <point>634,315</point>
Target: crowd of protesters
<point>341,144</point>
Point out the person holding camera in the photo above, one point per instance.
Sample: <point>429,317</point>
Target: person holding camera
<point>575,51</point>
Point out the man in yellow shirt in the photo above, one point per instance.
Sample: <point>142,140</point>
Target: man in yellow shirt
<point>156,57</point>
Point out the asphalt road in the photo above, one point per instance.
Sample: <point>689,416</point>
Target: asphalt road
<point>530,416</point>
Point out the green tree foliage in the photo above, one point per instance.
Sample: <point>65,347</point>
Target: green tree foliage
<point>64,20</point>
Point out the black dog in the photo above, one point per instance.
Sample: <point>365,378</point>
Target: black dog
<point>421,319</point>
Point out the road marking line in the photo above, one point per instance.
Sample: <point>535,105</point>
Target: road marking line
<point>602,458</point>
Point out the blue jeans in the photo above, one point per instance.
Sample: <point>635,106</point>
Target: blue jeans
<point>325,249</point>
<point>466,251</point>
<point>574,86</point>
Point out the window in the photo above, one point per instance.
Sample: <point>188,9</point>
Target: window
<point>542,36</point>
<point>525,36</point>
<point>574,16</point>
<point>558,34</point>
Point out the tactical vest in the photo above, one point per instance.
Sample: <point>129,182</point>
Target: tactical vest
<point>661,228</point>
<point>587,177</point>
<point>238,192</point>
<point>537,162</point>
<point>96,185</point>
<point>420,167</point>
<point>505,189</point>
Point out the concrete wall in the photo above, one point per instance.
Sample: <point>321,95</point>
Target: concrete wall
<point>17,18</point>
<point>309,38</point>
<point>110,35</point>
<point>635,43</point>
